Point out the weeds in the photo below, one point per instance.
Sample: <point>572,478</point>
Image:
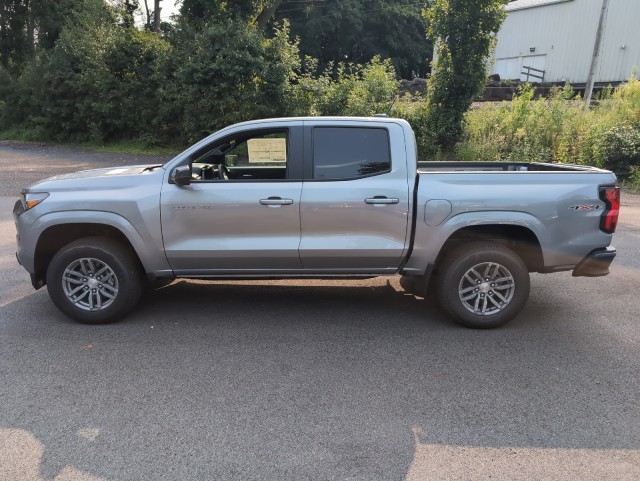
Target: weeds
<point>558,129</point>
<point>633,181</point>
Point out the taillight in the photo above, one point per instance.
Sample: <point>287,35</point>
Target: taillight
<point>611,197</point>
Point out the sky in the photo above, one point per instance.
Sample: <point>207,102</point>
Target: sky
<point>169,8</point>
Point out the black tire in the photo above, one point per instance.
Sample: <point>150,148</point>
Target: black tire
<point>472,300</point>
<point>114,265</point>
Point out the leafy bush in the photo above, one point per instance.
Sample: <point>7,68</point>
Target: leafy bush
<point>99,82</point>
<point>104,80</point>
<point>521,130</point>
<point>7,99</point>
<point>63,87</point>
<point>633,182</point>
<point>558,129</point>
<point>131,89</point>
<point>227,72</point>
<point>373,92</point>
<point>345,89</point>
<point>620,149</point>
<point>415,111</point>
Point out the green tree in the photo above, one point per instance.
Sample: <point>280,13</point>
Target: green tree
<point>62,88</point>
<point>266,13</point>
<point>129,9</point>
<point>463,31</point>
<point>345,89</point>
<point>226,72</point>
<point>101,81</point>
<point>15,32</point>
<point>50,18</point>
<point>357,30</point>
<point>202,11</point>
<point>27,26</point>
<point>132,87</point>
<point>258,11</point>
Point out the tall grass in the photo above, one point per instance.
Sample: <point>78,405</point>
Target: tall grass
<point>557,129</point>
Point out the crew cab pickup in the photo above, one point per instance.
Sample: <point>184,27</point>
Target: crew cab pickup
<point>316,198</point>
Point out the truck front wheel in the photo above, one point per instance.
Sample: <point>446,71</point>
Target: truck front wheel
<point>94,280</point>
<point>483,284</point>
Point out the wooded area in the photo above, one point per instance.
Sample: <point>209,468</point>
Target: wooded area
<point>86,71</point>
<point>82,70</point>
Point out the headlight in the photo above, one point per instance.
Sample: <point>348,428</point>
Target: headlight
<point>31,199</point>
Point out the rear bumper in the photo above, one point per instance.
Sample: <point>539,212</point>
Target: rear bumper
<point>596,263</point>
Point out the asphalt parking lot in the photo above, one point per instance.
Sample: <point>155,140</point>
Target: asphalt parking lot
<point>315,380</point>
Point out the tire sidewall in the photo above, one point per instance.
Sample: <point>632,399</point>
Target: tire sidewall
<point>109,254</point>
<point>451,278</point>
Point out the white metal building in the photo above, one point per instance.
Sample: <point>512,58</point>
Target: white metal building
<point>557,37</point>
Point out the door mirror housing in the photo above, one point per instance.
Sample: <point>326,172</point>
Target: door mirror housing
<point>181,175</point>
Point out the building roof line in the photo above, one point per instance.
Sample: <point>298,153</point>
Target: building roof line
<point>523,4</point>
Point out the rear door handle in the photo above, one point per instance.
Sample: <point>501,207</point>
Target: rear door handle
<point>276,201</point>
<point>381,199</point>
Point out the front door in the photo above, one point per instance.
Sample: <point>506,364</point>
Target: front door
<point>241,212</point>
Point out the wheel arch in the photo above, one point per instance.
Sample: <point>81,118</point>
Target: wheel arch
<point>522,240</point>
<point>55,237</point>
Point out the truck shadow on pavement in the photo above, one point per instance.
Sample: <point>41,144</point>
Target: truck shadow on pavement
<point>22,455</point>
<point>374,300</point>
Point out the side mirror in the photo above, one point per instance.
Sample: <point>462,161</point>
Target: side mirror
<point>181,175</point>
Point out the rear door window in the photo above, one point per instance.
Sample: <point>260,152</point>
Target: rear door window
<point>350,152</point>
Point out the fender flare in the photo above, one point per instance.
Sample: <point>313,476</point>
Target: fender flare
<point>433,238</point>
<point>151,256</point>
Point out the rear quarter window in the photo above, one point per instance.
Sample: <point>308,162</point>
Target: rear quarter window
<point>350,152</point>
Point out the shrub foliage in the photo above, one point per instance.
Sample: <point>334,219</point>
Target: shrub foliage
<point>462,31</point>
<point>558,129</point>
<point>93,76</point>
<point>105,80</point>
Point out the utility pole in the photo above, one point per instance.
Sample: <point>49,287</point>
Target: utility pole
<point>596,52</point>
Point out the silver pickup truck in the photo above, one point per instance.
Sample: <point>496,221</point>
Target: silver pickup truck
<point>316,198</point>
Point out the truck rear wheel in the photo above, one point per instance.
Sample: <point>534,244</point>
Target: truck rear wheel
<point>483,284</point>
<point>94,280</point>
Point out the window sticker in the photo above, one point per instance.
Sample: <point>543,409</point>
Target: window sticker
<point>265,151</point>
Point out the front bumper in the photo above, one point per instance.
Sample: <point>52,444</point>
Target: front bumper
<point>596,263</point>
<point>24,251</point>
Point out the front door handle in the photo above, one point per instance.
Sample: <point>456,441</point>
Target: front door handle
<point>381,199</point>
<point>276,201</point>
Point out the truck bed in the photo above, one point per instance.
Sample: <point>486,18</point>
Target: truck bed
<point>432,166</point>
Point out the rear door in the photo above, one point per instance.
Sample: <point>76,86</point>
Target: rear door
<point>355,199</point>
<point>241,212</point>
